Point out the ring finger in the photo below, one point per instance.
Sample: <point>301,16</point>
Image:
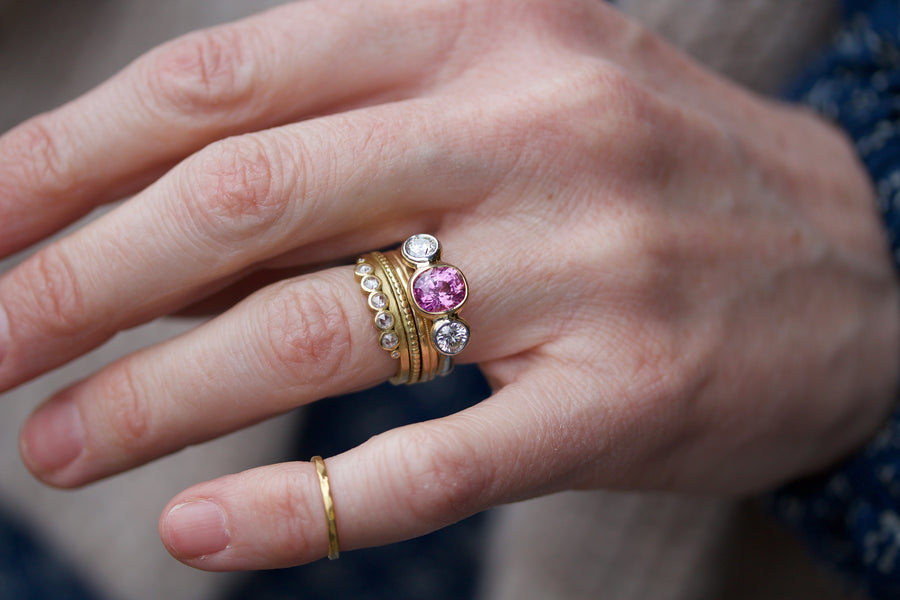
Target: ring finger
<point>287,345</point>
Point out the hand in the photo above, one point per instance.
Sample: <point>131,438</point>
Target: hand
<point>674,284</point>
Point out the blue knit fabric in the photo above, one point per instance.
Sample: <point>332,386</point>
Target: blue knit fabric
<point>851,516</point>
<point>30,570</point>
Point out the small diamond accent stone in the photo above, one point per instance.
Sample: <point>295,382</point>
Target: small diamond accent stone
<point>371,283</point>
<point>395,354</point>
<point>421,247</point>
<point>389,340</point>
<point>378,300</point>
<point>451,337</point>
<point>363,269</point>
<point>384,320</point>
<point>439,289</point>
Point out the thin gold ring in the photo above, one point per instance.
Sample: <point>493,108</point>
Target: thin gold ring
<point>333,545</point>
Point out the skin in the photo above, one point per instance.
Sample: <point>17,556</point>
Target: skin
<point>675,284</point>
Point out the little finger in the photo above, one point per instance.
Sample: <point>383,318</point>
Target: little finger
<point>398,485</point>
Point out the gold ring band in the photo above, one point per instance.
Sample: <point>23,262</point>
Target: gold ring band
<point>333,545</point>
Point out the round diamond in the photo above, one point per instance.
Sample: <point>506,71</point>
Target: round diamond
<point>378,300</point>
<point>371,283</point>
<point>384,320</point>
<point>451,337</point>
<point>439,289</point>
<point>395,354</point>
<point>421,247</point>
<point>389,340</point>
<point>363,269</point>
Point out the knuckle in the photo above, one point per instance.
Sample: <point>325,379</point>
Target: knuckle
<point>40,145</point>
<point>613,100</point>
<point>442,481</point>
<point>237,188</point>
<point>597,114</point>
<point>127,412</point>
<point>599,103</point>
<point>54,297</point>
<point>309,332</point>
<point>204,72</point>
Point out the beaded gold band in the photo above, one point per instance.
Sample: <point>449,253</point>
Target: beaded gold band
<point>383,301</point>
<point>334,549</point>
<point>393,316</point>
<point>416,298</point>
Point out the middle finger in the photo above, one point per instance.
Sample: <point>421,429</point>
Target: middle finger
<point>349,181</point>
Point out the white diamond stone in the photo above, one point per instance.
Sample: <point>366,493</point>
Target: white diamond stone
<point>451,337</point>
<point>395,354</point>
<point>363,269</point>
<point>389,340</point>
<point>421,247</point>
<point>378,300</point>
<point>384,320</point>
<point>371,283</point>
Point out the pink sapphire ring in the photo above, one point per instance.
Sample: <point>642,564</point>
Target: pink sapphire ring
<point>416,298</point>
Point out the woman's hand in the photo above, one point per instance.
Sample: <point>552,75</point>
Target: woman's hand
<point>674,284</point>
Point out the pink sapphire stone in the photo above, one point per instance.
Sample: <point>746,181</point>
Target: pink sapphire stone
<point>439,289</point>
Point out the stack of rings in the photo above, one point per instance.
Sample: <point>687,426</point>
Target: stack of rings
<point>416,299</point>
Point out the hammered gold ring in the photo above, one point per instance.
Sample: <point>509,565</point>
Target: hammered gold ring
<point>416,299</point>
<point>334,550</point>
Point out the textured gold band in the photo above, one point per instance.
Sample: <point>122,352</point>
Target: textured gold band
<point>333,545</point>
<point>397,281</point>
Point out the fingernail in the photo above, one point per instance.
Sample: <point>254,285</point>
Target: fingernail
<point>197,529</point>
<point>53,437</point>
